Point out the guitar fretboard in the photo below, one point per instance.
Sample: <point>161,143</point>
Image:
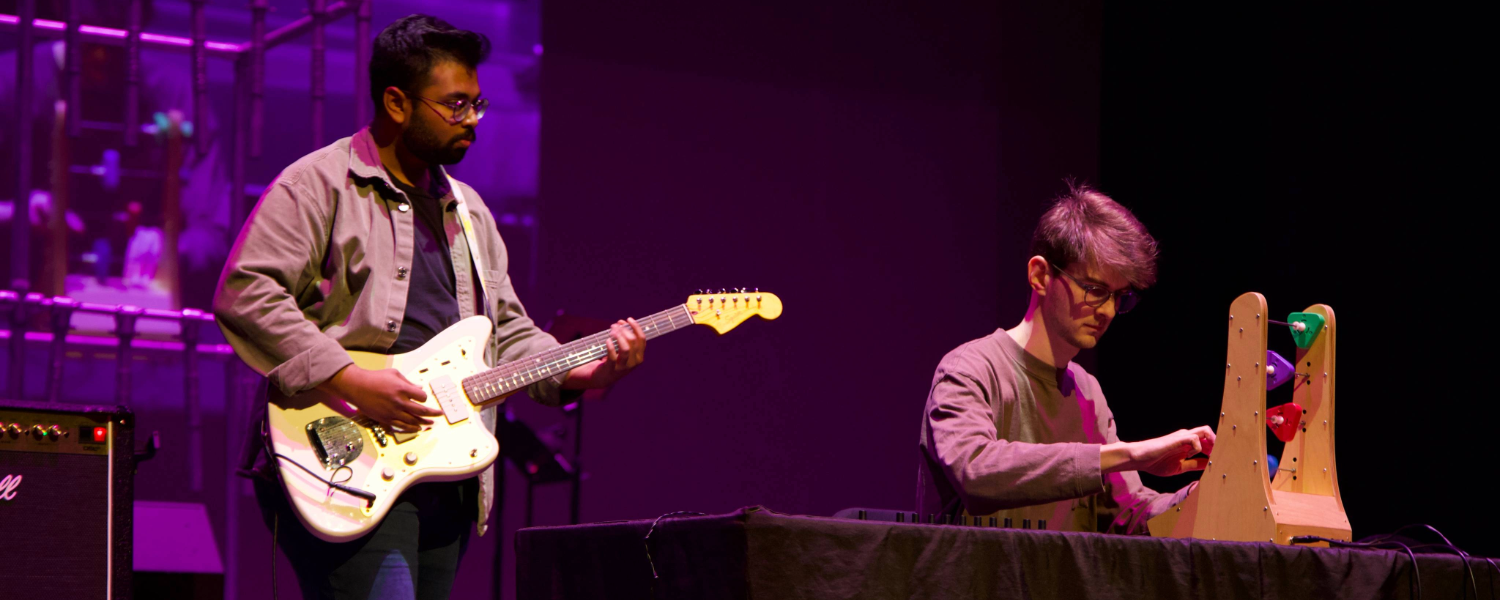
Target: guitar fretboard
<point>513,376</point>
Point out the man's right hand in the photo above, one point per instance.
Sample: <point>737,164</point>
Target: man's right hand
<point>1165,456</point>
<point>385,396</point>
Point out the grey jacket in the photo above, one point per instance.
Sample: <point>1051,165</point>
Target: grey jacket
<point>321,266</point>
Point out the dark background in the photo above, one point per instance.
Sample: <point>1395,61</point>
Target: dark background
<point>1317,155</point>
<point>881,166</point>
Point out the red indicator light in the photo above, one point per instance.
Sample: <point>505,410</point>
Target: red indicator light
<point>100,434</point>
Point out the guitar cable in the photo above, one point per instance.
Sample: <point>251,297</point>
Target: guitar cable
<point>369,497</point>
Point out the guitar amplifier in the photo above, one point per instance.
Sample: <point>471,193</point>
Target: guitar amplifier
<point>66,495</point>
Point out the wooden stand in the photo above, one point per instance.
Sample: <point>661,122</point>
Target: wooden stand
<point>1236,500</point>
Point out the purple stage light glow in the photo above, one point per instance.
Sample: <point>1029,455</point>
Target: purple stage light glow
<point>121,34</point>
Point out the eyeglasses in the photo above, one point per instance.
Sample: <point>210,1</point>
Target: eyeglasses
<point>1096,296</point>
<point>459,108</point>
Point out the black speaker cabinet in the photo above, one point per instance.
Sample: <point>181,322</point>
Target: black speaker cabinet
<point>66,493</point>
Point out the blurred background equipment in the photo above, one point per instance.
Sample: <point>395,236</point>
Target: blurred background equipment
<point>67,473</point>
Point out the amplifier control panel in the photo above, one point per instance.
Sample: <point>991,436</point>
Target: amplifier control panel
<point>24,430</point>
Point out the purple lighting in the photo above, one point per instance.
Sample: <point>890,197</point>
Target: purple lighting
<point>120,34</point>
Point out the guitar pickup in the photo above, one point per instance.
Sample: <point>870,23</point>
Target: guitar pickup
<point>450,399</point>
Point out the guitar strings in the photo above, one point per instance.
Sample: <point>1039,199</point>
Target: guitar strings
<point>651,325</point>
<point>494,381</point>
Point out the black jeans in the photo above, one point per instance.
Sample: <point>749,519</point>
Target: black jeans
<point>412,554</point>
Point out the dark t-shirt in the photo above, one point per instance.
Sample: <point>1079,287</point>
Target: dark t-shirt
<point>432,297</point>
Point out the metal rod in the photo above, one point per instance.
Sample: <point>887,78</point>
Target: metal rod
<point>290,31</point>
<point>17,376</point>
<point>257,77</point>
<point>497,568</point>
<point>241,118</point>
<point>133,76</point>
<point>317,10</point>
<point>118,37</point>
<point>234,433</point>
<point>52,279</point>
<point>62,315</point>
<point>530,502</point>
<point>156,314</point>
<point>190,391</point>
<point>168,270</point>
<point>577,499</point>
<point>73,56</point>
<point>125,319</point>
<point>20,225</point>
<point>200,77</point>
<point>362,42</point>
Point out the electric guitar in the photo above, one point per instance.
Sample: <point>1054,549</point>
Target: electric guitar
<point>343,472</point>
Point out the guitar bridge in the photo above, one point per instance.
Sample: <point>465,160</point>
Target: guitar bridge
<point>336,440</point>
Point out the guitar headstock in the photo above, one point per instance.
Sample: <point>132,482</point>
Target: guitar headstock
<point>728,308</point>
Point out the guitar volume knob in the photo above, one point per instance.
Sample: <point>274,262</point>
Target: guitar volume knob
<point>411,458</point>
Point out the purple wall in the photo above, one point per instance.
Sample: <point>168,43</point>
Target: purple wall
<point>879,168</point>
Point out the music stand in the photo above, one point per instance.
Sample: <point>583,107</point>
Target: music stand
<point>539,458</point>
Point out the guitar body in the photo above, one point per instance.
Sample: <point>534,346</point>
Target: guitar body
<point>334,444</point>
<point>339,446</point>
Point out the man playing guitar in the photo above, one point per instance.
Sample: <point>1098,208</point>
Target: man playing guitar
<point>367,245</point>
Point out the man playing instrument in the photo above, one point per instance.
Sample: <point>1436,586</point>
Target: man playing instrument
<point>1014,429</point>
<point>362,245</point>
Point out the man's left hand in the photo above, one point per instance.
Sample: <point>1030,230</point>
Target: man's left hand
<point>626,349</point>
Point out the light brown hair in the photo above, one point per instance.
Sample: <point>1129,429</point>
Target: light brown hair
<point>1086,226</point>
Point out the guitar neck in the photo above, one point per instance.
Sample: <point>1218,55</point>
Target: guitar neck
<point>513,376</point>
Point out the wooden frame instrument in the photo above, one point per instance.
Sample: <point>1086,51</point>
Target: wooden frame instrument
<point>1236,499</point>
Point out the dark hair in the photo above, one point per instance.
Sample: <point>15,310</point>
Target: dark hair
<point>1086,226</point>
<point>407,50</point>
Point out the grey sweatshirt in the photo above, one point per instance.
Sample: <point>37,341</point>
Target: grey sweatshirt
<point>1006,434</point>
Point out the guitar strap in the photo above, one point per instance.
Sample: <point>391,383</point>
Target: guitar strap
<point>487,417</point>
<point>468,226</point>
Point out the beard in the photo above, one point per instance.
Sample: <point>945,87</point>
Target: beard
<point>425,144</point>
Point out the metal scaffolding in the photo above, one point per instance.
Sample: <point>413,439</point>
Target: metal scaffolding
<point>249,64</point>
<point>248,122</point>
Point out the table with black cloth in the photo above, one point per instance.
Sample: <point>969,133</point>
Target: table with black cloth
<point>756,554</point>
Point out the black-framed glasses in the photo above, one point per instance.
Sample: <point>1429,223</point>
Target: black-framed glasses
<point>459,108</point>
<point>1097,295</point>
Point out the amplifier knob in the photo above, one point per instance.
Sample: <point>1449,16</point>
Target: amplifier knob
<point>56,431</point>
<point>14,429</point>
<point>37,431</point>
